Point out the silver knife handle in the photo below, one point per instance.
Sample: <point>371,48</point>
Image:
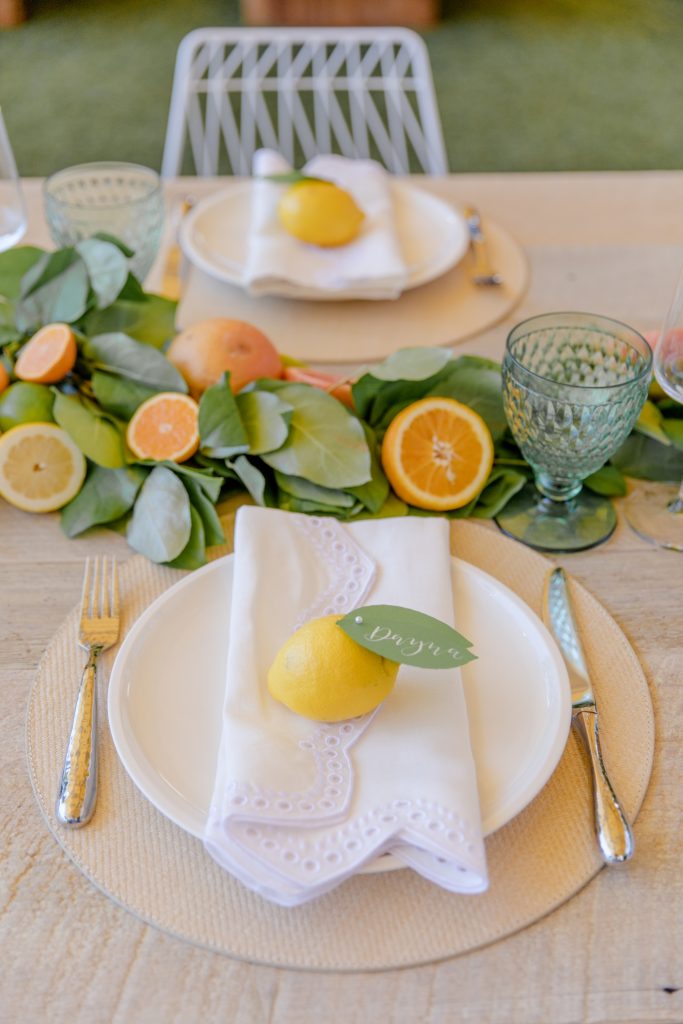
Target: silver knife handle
<point>78,783</point>
<point>615,837</point>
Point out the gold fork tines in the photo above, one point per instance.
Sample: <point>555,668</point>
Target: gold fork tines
<point>98,630</point>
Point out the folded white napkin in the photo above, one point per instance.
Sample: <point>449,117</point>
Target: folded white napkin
<point>370,267</point>
<point>298,806</point>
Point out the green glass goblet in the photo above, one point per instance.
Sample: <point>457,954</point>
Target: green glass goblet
<point>573,385</point>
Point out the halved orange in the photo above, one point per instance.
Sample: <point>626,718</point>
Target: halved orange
<point>4,378</point>
<point>166,426</point>
<point>437,454</point>
<point>48,356</point>
<point>41,468</point>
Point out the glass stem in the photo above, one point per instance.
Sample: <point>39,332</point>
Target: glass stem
<point>676,505</point>
<point>557,489</point>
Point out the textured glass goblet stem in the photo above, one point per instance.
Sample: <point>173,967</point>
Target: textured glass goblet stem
<point>557,489</point>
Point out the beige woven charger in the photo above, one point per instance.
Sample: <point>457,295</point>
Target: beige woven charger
<point>536,862</point>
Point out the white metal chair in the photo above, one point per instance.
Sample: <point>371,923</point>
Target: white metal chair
<point>360,92</point>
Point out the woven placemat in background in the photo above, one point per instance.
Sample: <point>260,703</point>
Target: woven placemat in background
<point>536,862</point>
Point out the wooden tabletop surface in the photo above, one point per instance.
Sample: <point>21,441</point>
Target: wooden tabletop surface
<point>607,243</point>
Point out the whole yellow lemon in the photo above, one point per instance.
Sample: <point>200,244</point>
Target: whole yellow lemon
<point>320,213</point>
<point>321,673</point>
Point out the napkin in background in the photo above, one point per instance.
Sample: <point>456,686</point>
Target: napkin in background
<point>299,806</point>
<point>370,267</point>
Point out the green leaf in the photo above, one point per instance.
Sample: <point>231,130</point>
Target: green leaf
<point>674,431</point>
<point>121,246</point>
<point>117,353</point>
<point>193,555</point>
<point>650,422</point>
<point>325,445</point>
<point>96,436</point>
<point>252,478</point>
<point>24,402</point>
<point>502,483</point>
<point>119,395</point>
<point>213,531</point>
<point>608,481</point>
<point>221,430</point>
<point>375,492</point>
<point>324,497</point>
<point>161,524</point>
<point>641,457</point>
<point>476,383</point>
<point>411,364</point>
<point>14,264</point>
<point>263,417</point>
<point>55,288</point>
<point>106,495</point>
<point>151,321</point>
<point>107,268</point>
<point>407,636</point>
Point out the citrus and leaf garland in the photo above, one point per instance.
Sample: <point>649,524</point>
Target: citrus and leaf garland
<point>288,443</point>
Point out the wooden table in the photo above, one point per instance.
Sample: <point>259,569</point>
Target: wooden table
<point>609,243</point>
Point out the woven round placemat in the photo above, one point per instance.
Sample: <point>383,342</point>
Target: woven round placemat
<point>446,311</point>
<point>536,862</point>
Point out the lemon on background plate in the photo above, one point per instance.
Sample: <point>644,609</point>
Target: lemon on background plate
<point>321,673</point>
<point>320,213</point>
<point>41,468</point>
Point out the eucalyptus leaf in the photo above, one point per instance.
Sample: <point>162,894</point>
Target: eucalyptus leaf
<point>213,530</point>
<point>95,435</point>
<point>650,422</point>
<point>107,268</point>
<point>121,246</point>
<point>193,555</point>
<point>375,492</point>
<point>119,395</point>
<point>407,636</point>
<point>325,444</point>
<point>476,383</point>
<point>117,353</point>
<point>674,431</point>
<point>161,524</point>
<point>14,265</point>
<point>263,415</point>
<point>646,459</point>
<point>55,289</point>
<point>608,481</point>
<point>221,431</point>
<point>252,478</point>
<point>203,477</point>
<point>106,495</point>
<point>502,484</point>
<point>411,364</point>
<point>146,318</point>
<point>321,496</point>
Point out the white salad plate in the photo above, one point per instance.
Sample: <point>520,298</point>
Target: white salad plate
<point>433,236</point>
<point>168,680</point>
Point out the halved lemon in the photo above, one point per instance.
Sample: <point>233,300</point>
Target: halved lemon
<point>166,426</point>
<point>437,454</point>
<point>41,468</point>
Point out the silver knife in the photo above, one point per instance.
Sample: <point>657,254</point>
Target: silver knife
<point>483,272</point>
<point>613,831</point>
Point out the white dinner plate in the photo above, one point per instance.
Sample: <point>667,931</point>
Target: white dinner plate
<point>433,236</point>
<point>167,683</point>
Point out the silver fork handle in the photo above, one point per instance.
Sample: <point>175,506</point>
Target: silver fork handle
<point>78,784</point>
<point>613,831</point>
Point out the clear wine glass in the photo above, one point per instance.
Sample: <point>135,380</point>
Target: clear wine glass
<point>573,385</point>
<point>656,511</point>
<point>12,208</point>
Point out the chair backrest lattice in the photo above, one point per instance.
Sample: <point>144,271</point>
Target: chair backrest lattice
<point>356,92</point>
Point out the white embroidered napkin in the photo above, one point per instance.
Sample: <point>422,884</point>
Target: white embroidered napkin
<point>370,267</point>
<point>299,806</point>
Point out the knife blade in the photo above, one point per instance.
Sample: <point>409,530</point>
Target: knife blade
<point>613,831</point>
<point>483,273</point>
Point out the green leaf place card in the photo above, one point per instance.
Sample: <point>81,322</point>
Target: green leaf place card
<point>409,637</point>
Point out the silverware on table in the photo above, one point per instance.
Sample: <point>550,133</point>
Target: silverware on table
<point>98,630</point>
<point>172,268</point>
<point>612,829</point>
<point>483,272</point>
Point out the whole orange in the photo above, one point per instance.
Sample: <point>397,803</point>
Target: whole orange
<point>207,349</point>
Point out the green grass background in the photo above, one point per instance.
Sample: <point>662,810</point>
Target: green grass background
<point>521,84</point>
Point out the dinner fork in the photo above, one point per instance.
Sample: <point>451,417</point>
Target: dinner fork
<point>98,630</point>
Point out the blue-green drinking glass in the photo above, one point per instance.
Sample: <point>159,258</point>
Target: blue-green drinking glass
<point>573,386</point>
